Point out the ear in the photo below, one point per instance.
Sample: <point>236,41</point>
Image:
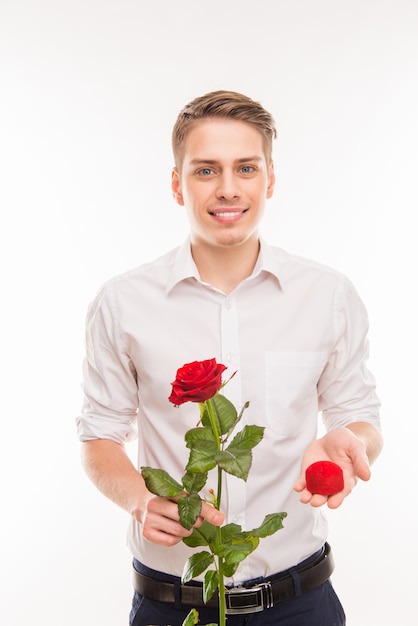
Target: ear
<point>271,180</point>
<point>176,187</point>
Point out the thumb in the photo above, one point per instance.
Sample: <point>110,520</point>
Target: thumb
<point>361,466</point>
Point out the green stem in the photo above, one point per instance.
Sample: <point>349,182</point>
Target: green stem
<point>219,489</point>
<point>214,425</point>
<point>221,586</point>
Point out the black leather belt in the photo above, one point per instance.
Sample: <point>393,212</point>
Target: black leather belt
<point>244,599</point>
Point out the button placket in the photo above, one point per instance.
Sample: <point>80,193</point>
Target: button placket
<point>234,488</point>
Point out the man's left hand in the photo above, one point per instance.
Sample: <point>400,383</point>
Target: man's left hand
<point>343,447</point>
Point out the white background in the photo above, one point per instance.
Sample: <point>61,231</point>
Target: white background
<point>89,92</point>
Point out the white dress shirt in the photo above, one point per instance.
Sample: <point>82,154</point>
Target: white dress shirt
<point>295,332</point>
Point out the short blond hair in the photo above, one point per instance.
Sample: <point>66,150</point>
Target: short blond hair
<point>223,104</point>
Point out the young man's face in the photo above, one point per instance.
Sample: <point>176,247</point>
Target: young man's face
<point>224,182</point>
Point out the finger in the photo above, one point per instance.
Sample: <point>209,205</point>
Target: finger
<point>300,484</point>
<point>163,535</point>
<point>314,499</point>
<point>163,530</point>
<point>336,500</point>
<point>212,515</point>
<point>164,507</point>
<point>159,527</point>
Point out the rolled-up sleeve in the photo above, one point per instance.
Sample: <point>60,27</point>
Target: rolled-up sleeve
<point>110,388</point>
<point>346,389</point>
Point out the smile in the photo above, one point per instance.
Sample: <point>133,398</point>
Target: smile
<point>228,214</point>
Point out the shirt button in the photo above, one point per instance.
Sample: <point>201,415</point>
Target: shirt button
<point>228,304</point>
<point>229,357</point>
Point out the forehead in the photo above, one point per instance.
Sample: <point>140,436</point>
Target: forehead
<point>218,139</point>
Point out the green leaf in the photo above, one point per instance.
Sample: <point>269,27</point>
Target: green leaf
<point>202,459</point>
<point>189,507</point>
<point>201,536</point>
<point>237,553</point>
<point>271,523</point>
<point>248,437</point>
<point>204,416</point>
<point>229,550</point>
<point>202,446</point>
<point>237,458</point>
<point>245,536</point>
<point>210,584</point>
<point>229,570</point>
<point>191,619</point>
<point>225,413</point>
<point>235,462</point>
<point>195,436</point>
<point>195,565</point>
<point>194,481</point>
<point>228,531</point>
<point>160,483</point>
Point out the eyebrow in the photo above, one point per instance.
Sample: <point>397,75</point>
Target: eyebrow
<point>214,161</point>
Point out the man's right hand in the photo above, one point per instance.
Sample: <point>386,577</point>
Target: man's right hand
<point>161,525</point>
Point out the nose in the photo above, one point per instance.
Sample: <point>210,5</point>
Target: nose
<point>228,187</point>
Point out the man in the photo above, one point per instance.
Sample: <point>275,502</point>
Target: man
<point>295,333</point>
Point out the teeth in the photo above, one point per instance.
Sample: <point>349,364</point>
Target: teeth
<point>228,214</point>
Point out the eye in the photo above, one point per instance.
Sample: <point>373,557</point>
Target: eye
<point>205,171</point>
<point>247,169</point>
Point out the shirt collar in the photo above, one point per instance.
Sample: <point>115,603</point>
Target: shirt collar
<point>269,260</point>
<point>183,266</point>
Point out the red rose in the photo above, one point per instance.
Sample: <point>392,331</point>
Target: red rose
<point>324,478</point>
<point>197,381</point>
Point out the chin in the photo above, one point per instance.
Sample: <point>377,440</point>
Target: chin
<point>229,242</point>
<point>236,239</point>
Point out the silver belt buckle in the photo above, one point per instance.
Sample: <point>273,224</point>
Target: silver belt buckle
<point>248,599</point>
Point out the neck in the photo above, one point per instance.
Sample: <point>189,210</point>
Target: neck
<point>225,267</point>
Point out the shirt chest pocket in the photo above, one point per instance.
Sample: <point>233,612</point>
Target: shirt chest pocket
<point>291,389</point>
